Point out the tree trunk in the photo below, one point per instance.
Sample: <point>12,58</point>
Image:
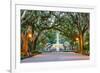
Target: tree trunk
<point>81,42</point>
<point>35,41</point>
<point>34,45</point>
<point>25,45</point>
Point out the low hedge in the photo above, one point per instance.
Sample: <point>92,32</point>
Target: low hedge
<point>36,52</point>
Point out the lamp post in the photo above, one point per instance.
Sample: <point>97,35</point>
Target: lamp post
<point>29,35</point>
<point>30,42</point>
<point>77,41</point>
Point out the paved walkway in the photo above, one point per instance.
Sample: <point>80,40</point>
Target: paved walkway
<point>55,56</point>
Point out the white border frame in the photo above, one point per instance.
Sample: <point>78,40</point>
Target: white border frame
<point>15,39</point>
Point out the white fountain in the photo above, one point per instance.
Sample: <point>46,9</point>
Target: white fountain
<point>57,45</point>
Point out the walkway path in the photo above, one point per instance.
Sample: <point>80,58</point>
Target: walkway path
<point>55,56</point>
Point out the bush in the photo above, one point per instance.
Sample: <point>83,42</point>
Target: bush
<point>87,49</point>
<point>35,52</point>
<point>22,56</point>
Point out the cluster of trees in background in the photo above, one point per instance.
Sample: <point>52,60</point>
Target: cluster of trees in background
<point>40,24</point>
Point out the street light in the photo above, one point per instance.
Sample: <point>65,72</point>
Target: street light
<point>29,35</point>
<point>77,39</point>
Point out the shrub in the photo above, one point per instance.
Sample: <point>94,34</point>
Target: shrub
<point>35,52</point>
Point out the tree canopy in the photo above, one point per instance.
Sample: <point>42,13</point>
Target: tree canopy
<point>44,25</point>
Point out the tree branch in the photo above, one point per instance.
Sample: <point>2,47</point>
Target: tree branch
<point>23,21</point>
<point>23,15</point>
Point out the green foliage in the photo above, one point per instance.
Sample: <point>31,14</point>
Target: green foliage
<point>87,42</point>
<point>22,56</point>
<point>46,23</point>
<point>34,52</point>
